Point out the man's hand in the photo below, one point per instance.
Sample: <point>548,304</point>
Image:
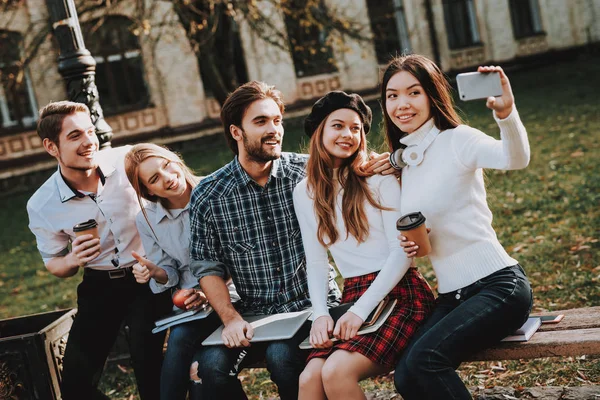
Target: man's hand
<point>237,333</point>
<point>379,164</point>
<point>347,326</point>
<point>320,332</point>
<point>83,250</point>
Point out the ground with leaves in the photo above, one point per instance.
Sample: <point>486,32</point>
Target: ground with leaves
<point>547,216</point>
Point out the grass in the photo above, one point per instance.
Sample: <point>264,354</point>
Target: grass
<point>546,216</point>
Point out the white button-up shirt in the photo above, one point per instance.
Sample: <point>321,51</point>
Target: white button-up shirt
<point>56,207</point>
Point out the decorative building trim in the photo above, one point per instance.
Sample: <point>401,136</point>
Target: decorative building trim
<point>532,45</point>
<point>471,56</point>
<point>317,86</point>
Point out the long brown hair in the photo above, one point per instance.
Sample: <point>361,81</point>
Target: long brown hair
<point>137,155</point>
<point>436,87</point>
<point>322,189</point>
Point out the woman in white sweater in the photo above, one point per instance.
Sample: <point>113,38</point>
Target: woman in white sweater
<point>341,210</point>
<point>484,293</point>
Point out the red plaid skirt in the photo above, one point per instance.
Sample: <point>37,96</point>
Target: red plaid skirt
<point>384,346</point>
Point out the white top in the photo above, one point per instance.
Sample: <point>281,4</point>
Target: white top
<point>55,208</point>
<point>379,252</point>
<point>170,248</point>
<point>448,188</point>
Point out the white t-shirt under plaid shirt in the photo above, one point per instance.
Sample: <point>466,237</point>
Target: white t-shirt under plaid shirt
<point>251,232</point>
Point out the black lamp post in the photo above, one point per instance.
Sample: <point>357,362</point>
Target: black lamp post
<point>76,65</point>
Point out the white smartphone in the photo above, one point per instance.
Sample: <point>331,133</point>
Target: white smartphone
<point>478,85</point>
<point>551,319</point>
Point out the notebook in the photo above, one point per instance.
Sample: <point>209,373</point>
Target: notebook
<point>525,332</point>
<point>378,319</point>
<point>267,327</point>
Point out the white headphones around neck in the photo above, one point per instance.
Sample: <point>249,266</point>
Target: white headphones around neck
<point>413,155</point>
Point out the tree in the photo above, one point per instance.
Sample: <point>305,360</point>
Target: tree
<point>211,27</point>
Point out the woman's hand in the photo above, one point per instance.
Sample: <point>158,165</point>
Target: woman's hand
<point>503,105</point>
<point>347,326</point>
<point>410,247</point>
<point>195,298</point>
<point>378,164</point>
<point>320,332</point>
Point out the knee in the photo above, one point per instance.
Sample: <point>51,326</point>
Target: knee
<point>282,363</point>
<point>310,378</point>
<point>335,377</point>
<point>210,365</point>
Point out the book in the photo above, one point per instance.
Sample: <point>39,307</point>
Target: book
<point>525,332</point>
<point>180,317</point>
<point>371,325</point>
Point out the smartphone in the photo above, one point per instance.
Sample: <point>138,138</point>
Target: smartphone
<point>478,85</point>
<point>551,319</point>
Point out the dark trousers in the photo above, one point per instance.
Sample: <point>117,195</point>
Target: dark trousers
<point>285,362</point>
<point>463,322</point>
<point>103,304</point>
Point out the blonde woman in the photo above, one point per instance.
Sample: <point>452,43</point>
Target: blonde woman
<point>161,178</point>
<point>354,216</point>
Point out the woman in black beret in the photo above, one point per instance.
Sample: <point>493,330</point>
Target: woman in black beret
<point>353,216</point>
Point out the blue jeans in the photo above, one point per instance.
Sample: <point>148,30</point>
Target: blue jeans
<point>463,322</point>
<point>285,361</point>
<point>184,341</point>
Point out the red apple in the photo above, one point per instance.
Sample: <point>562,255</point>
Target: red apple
<point>179,299</point>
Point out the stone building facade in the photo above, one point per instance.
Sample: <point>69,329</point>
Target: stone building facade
<point>151,84</point>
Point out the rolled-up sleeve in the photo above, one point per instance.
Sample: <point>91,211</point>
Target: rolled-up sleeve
<point>50,244</point>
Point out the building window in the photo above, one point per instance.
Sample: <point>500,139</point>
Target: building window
<point>388,25</point>
<point>525,16</point>
<point>311,51</point>
<point>119,64</point>
<point>17,103</point>
<point>461,23</point>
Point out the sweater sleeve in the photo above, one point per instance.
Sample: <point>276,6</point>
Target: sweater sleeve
<point>317,263</point>
<point>475,149</point>
<point>155,254</point>
<point>396,264</point>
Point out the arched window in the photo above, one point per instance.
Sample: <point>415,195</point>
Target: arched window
<point>17,102</point>
<point>311,51</point>
<point>525,16</point>
<point>119,68</point>
<point>388,24</point>
<point>461,23</point>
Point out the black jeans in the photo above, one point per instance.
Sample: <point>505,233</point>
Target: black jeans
<point>463,322</point>
<point>285,361</point>
<point>103,304</point>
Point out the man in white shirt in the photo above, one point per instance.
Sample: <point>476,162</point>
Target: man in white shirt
<point>92,185</point>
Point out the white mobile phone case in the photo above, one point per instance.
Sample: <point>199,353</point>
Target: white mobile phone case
<point>477,85</point>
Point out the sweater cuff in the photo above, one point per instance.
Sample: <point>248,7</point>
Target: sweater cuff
<point>512,119</point>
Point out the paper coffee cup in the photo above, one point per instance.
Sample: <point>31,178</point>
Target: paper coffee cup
<point>413,227</point>
<point>85,228</point>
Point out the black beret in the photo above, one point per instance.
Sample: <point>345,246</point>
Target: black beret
<point>333,101</point>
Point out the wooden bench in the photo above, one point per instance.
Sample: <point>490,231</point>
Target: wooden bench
<point>577,334</point>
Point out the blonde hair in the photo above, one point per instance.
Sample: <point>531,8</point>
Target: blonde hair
<point>143,151</point>
<point>352,178</point>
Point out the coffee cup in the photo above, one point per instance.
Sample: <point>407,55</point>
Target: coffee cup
<point>85,228</point>
<point>413,227</point>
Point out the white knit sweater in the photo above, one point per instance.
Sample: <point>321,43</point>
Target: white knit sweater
<point>448,188</point>
<point>379,252</point>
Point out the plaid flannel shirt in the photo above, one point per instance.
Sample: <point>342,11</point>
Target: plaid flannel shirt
<point>251,233</point>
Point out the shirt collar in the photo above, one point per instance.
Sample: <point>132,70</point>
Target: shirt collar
<point>162,212</point>
<point>417,136</point>
<point>67,192</point>
<point>243,179</point>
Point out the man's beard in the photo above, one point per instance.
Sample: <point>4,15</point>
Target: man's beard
<point>256,152</point>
